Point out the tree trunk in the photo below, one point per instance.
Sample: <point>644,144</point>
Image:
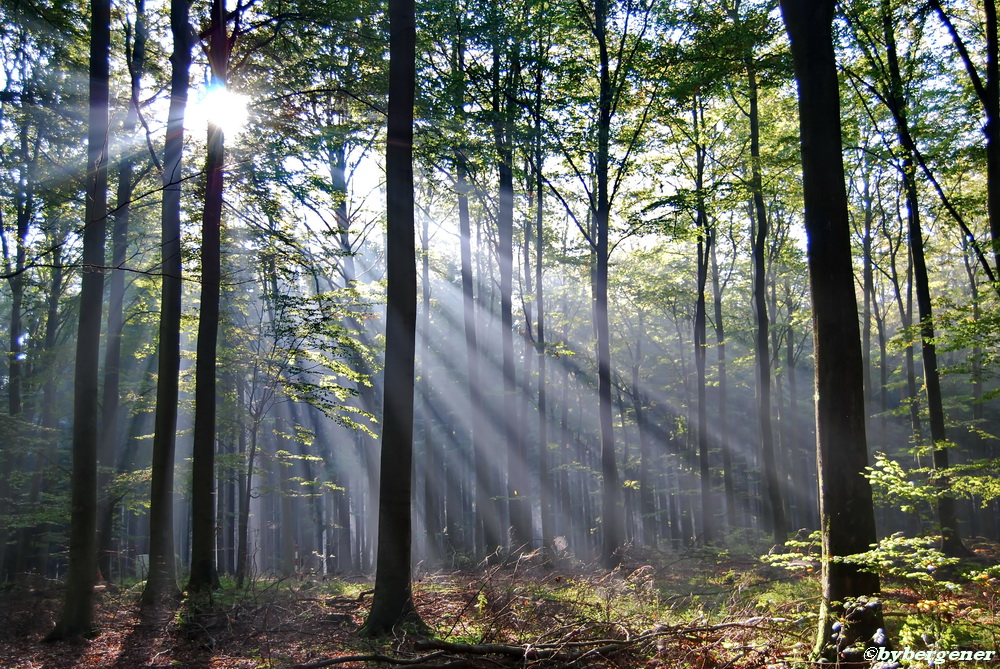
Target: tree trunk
<point>393,600</point>
<point>846,507</point>
<point>544,465</point>
<point>611,494</point>
<point>77,618</point>
<point>517,489</point>
<point>203,574</point>
<point>705,239</point>
<point>772,485</point>
<point>723,396</point>
<point>112,353</point>
<point>161,581</point>
<point>951,542</point>
<point>433,465</point>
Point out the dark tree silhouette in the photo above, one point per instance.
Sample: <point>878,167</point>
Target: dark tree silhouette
<point>78,614</point>
<point>846,509</point>
<point>203,576</point>
<point>161,581</point>
<point>393,599</point>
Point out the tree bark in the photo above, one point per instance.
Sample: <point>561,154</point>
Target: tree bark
<point>762,350</point>
<point>203,573</point>
<point>705,241</point>
<point>112,354</point>
<point>612,514</point>
<point>723,395</point>
<point>393,600</point>
<point>77,618</point>
<point>846,507</point>
<point>951,542</point>
<point>161,581</point>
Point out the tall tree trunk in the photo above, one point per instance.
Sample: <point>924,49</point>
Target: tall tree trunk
<point>77,618</point>
<point>248,447</point>
<point>487,534</point>
<point>517,489</point>
<point>846,508</point>
<point>612,514</point>
<point>544,484</point>
<point>647,502</point>
<point>528,340</point>
<point>393,600</point>
<point>112,353</point>
<point>772,484</point>
<point>203,573</point>
<point>162,579</point>
<point>433,465</point>
<point>868,291</point>
<point>723,395</point>
<point>705,240</point>
<point>951,542</point>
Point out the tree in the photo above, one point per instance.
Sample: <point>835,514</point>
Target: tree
<point>393,599</point>
<point>78,613</point>
<point>161,582</point>
<point>846,509</point>
<point>203,575</point>
<point>111,403</point>
<point>894,97</point>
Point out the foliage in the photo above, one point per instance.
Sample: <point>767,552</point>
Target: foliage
<point>910,490</point>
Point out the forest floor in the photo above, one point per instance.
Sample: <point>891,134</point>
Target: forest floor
<point>696,608</point>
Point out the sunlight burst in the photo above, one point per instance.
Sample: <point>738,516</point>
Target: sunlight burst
<point>222,107</point>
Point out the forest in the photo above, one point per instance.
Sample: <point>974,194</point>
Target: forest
<point>459,333</point>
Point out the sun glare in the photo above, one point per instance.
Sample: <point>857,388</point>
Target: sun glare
<point>221,107</point>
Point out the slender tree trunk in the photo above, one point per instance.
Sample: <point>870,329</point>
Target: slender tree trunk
<point>846,506</point>
<point>524,396</point>
<point>434,464</point>
<point>772,484</point>
<point>203,573</point>
<point>951,542</point>
<point>545,484</point>
<point>803,493</point>
<point>112,353</point>
<point>77,618</point>
<point>24,200</point>
<point>723,395</point>
<point>611,495</point>
<point>162,579</point>
<point>517,498</point>
<point>868,290</point>
<point>367,393</point>
<point>249,447</point>
<point>393,600</point>
<point>705,239</point>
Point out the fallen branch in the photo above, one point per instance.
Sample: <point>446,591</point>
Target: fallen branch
<point>529,651</point>
<point>571,651</point>
<point>376,657</point>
